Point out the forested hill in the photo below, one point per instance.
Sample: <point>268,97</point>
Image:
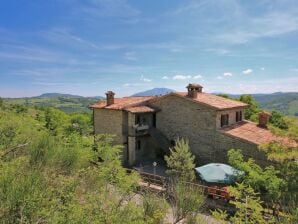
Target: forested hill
<point>286,103</point>
<point>65,102</point>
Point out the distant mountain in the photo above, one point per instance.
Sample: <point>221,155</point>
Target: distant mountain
<point>52,95</point>
<point>286,103</point>
<point>66,102</point>
<point>154,92</point>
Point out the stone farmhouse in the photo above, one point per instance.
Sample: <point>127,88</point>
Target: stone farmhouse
<point>147,126</point>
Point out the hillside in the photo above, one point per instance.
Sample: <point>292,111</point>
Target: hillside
<point>286,103</point>
<point>65,102</point>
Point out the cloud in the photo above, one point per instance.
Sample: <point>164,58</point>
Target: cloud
<point>197,77</point>
<point>219,77</point>
<point>218,51</point>
<point>227,74</point>
<point>262,68</point>
<point>165,77</point>
<point>272,24</point>
<point>131,56</point>
<point>247,71</point>
<point>181,77</point>
<point>107,8</point>
<point>144,79</point>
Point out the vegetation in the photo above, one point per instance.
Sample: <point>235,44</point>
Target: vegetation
<point>52,172</point>
<point>181,161</point>
<point>65,102</point>
<point>186,199</point>
<point>285,103</point>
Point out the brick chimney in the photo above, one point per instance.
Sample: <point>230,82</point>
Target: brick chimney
<point>263,119</point>
<point>110,97</point>
<point>193,90</point>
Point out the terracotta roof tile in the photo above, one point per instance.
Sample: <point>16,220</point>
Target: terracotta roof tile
<point>122,103</point>
<point>251,132</point>
<point>140,109</point>
<point>215,101</point>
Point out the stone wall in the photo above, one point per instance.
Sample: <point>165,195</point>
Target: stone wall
<point>249,150</point>
<point>198,123</point>
<point>109,122</point>
<point>182,118</point>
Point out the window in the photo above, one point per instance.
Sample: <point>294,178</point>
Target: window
<point>154,120</point>
<point>138,119</point>
<point>238,116</point>
<point>138,145</point>
<point>224,120</point>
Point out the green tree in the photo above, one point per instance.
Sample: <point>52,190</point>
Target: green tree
<point>186,201</point>
<point>263,180</point>
<point>181,161</point>
<point>1,102</point>
<point>277,119</point>
<point>252,111</point>
<point>248,205</point>
<point>55,120</point>
<point>80,123</point>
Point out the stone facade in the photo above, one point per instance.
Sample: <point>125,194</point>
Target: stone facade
<point>174,116</point>
<point>199,124</point>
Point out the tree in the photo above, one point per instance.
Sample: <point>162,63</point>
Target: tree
<point>278,121</point>
<point>252,111</point>
<point>186,200</point>
<point>248,205</point>
<point>285,158</point>
<point>263,180</point>
<point>1,102</point>
<point>181,161</point>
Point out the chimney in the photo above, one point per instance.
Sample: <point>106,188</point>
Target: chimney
<point>263,119</point>
<point>110,97</point>
<point>193,90</point>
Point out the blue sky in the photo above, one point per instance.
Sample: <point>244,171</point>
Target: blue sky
<point>87,47</point>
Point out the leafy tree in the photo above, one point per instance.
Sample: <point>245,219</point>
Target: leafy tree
<point>252,111</point>
<point>55,120</point>
<point>1,102</point>
<point>285,158</point>
<point>261,180</point>
<point>181,160</point>
<point>248,205</point>
<point>277,120</point>
<point>80,123</point>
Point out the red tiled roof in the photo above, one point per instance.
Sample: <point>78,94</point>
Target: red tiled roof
<point>214,101</point>
<point>217,102</point>
<point>251,132</point>
<point>122,103</point>
<point>140,109</point>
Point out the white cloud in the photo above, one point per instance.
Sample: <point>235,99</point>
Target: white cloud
<point>218,51</point>
<point>219,77</point>
<point>247,71</point>
<point>262,68</point>
<point>227,74</point>
<point>197,77</point>
<point>181,77</point>
<point>165,77</point>
<point>144,79</point>
<point>131,56</point>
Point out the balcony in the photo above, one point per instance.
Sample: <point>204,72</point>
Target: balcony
<point>141,127</point>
